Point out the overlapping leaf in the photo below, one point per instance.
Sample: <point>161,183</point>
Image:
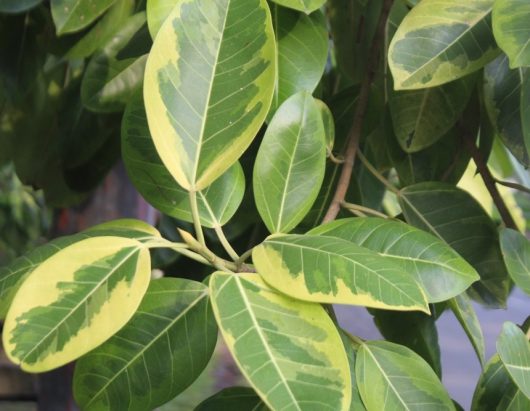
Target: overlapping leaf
<point>290,164</point>
<point>302,42</point>
<point>493,383</point>
<point>75,300</point>
<point>512,31</point>
<point>290,351</point>
<point>160,351</point>
<point>307,6</point>
<point>440,41</point>
<point>233,398</point>
<point>351,351</point>
<point>507,98</point>
<point>454,216</point>
<point>73,15</point>
<point>208,85</point>
<point>438,268</point>
<point>157,12</point>
<point>393,377</point>
<point>332,270</point>
<point>217,203</point>
<point>514,349</point>
<point>516,251</point>
<point>17,6</point>
<point>329,124</point>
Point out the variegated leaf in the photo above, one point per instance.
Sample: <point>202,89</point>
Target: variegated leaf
<point>157,12</point>
<point>332,270</point>
<point>440,41</point>
<point>516,251</point>
<point>514,349</point>
<point>75,300</point>
<point>290,164</point>
<point>436,266</point>
<point>307,6</point>
<point>216,204</point>
<point>74,15</point>
<point>290,351</point>
<point>160,351</point>
<point>302,48</point>
<point>393,377</point>
<point>511,29</point>
<point>351,351</point>
<point>208,85</point>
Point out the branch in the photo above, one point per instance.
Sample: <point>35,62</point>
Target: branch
<point>489,181</point>
<point>354,135</point>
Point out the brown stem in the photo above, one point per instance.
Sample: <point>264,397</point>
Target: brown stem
<point>489,181</point>
<point>354,135</point>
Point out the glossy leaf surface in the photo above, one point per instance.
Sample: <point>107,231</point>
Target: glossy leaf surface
<point>514,349</point>
<point>290,164</point>
<point>75,300</point>
<point>290,351</point>
<point>307,6</point>
<point>233,398</point>
<point>438,268</point>
<point>205,104</point>
<point>516,251</point>
<point>440,41</point>
<point>159,352</point>
<point>332,270</point>
<point>512,31</point>
<point>73,15</point>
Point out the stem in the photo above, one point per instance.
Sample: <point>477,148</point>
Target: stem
<point>362,209</point>
<point>512,185</point>
<point>196,217</point>
<point>244,257</point>
<point>226,245</point>
<point>489,181</point>
<point>377,174</point>
<point>177,247</point>
<point>354,135</point>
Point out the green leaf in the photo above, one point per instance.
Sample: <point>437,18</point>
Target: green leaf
<point>438,268</point>
<point>440,41</point>
<point>516,252</point>
<point>351,351</point>
<point>492,384</point>
<point>103,30</point>
<point>160,351</point>
<point>514,400</point>
<point>290,351</point>
<point>110,80</point>
<point>75,300</point>
<point>217,203</point>
<point>208,85</point>
<point>467,317</point>
<point>329,124</point>
<point>507,98</point>
<point>302,47</point>
<point>393,377</point>
<point>157,12</point>
<point>332,270</point>
<point>422,117</point>
<point>514,349</point>
<point>454,216</point>
<point>290,164</point>
<point>307,6</point>
<point>231,399</point>
<point>74,15</point>
<point>13,275</point>
<point>17,6</point>
<point>511,29</point>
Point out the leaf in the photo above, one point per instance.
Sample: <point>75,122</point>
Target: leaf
<point>17,6</point>
<point>329,124</point>
<point>302,48</point>
<point>512,32</point>
<point>13,275</point>
<point>393,377</point>
<point>73,15</point>
<point>351,351</point>
<point>103,30</point>
<point>110,80</point>
<point>440,41</point>
<point>514,400</point>
<point>74,301</point>
<point>205,104</point>
<point>307,6</point>
<point>290,164</point>
<point>438,268</point>
<point>516,252</point>
<point>467,317</point>
<point>507,99</point>
<point>290,351</point>
<point>331,270</point>
<point>157,12</point>
<point>454,216</point>
<point>514,349</point>
<point>233,398</point>
<point>422,117</point>
<point>155,356</point>
<point>492,384</point>
<point>217,203</point>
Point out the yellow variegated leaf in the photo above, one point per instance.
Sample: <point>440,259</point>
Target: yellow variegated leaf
<point>208,85</point>
<point>289,350</point>
<point>75,300</point>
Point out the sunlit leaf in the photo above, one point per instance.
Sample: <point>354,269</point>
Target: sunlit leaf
<point>514,349</point>
<point>511,29</point>
<point>157,12</point>
<point>290,351</point>
<point>73,15</point>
